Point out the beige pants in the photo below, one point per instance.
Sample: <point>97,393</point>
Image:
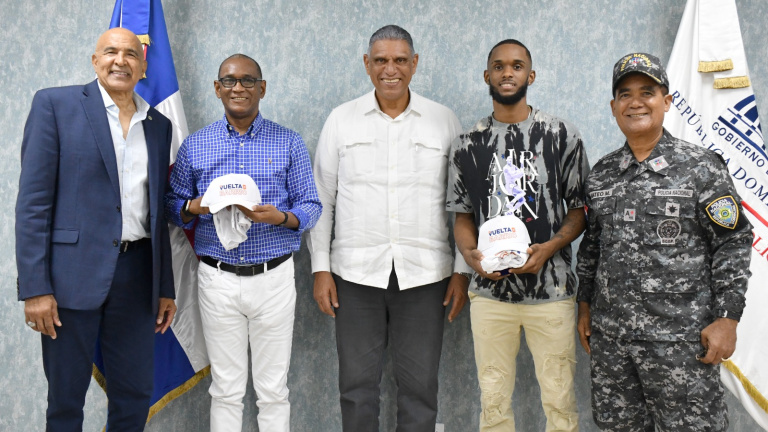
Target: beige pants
<point>549,332</point>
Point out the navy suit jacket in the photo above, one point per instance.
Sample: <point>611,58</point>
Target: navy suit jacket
<point>68,214</point>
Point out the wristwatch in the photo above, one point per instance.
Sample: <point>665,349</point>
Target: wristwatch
<point>466,275</point>
<point>185,209</point>
<point>285,221</point>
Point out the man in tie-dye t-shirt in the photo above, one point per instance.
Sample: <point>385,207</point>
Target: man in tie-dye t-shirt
<point>539,296</point>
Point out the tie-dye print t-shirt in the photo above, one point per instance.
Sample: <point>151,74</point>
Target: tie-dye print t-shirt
<point>551,154</point>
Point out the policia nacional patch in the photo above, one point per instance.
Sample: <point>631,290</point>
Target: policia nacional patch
<point>724,211</point>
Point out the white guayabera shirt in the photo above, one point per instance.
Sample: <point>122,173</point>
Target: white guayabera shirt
<point>385,179</point>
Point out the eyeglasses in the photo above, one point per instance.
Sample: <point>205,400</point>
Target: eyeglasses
<point>245,82</point>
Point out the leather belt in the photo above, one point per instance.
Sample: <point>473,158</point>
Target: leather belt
<point>125,246</point>
<point>246,270</point>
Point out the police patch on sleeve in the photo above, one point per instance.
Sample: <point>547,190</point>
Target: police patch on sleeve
<point>724,211</point>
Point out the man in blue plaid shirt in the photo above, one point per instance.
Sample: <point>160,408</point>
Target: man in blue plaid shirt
<point>247,294</point>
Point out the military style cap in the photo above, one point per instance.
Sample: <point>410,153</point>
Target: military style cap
<point>639,62</point>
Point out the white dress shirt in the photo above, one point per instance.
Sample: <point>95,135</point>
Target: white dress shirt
<point>385,178</point>
<point>132,160</point>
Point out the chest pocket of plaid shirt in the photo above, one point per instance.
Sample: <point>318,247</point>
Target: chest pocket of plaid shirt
<point>357,158</point>
<point>604,209</point>
<point>669,221</point>
<point>428,162</point>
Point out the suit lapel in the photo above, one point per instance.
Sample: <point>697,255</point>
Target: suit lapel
<point>151,135</point>
<point>93,104</point>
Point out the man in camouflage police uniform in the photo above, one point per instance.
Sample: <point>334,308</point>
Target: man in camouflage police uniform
<point>663,268</point>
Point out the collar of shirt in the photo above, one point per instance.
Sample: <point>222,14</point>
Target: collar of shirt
<point>369,104</point>
<point>253,129</point>
<point>661,149</point>
<point>142,107</point>
<point>492,122</point>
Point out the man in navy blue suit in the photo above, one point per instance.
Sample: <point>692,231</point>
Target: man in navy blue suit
<point>92,246</point>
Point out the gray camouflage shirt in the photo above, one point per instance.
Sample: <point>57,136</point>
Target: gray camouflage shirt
<point>551,154</point>
<point>666,245</point>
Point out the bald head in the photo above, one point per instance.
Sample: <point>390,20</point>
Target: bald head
<point>118,32</point>
<point>119,62</point>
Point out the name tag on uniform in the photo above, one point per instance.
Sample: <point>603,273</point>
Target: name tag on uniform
<point>685,193</point>
<point>601,193</point>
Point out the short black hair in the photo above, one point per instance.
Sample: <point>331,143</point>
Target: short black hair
<point>243,56</point>
<point>511,42</point>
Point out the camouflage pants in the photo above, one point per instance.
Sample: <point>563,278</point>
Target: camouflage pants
<point>645,386</point>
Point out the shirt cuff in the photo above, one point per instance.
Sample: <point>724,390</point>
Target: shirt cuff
<point>176,215</point>
<point>301,216</point>
<point>584,294</point>
<point>321,261</point>
<point>459,265</point>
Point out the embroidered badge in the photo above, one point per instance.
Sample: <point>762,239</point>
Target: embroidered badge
<point>601,193</point>
<point>685,193</point>
<point>668,230</point>
<point>635,59</point>
<point>629,215</point>
<point>659,163</point>
<point>625,161</point>
<point>672,209</point>
<point>724,211</point>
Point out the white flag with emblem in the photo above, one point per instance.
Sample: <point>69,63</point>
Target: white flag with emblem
<point>714,106</point>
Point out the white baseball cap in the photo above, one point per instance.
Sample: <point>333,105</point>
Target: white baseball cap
<point>229,190</point>
<point>503,234</point>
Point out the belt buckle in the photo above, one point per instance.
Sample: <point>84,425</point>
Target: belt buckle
<point>124,246</point>
<point>247,270</point>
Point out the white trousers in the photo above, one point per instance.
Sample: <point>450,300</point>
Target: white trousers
<point>237,310</point>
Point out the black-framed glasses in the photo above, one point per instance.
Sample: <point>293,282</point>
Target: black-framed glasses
<point>246,82</point>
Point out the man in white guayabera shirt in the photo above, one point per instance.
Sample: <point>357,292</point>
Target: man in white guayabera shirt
<point>381,164</point>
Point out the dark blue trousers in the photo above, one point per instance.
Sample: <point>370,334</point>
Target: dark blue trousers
<point>411,322</point>
<point>124,326</point>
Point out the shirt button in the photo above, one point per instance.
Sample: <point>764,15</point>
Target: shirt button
<point>242,258</point>
<point>115,243</point>
<point>118,209</point>
<point>242,144</point>
<point>241,166</point>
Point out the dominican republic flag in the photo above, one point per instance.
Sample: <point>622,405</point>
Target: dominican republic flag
<point>181,359</point>
<point>714,105</point>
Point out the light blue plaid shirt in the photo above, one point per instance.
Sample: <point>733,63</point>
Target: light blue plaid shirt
<point>277,160</point>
